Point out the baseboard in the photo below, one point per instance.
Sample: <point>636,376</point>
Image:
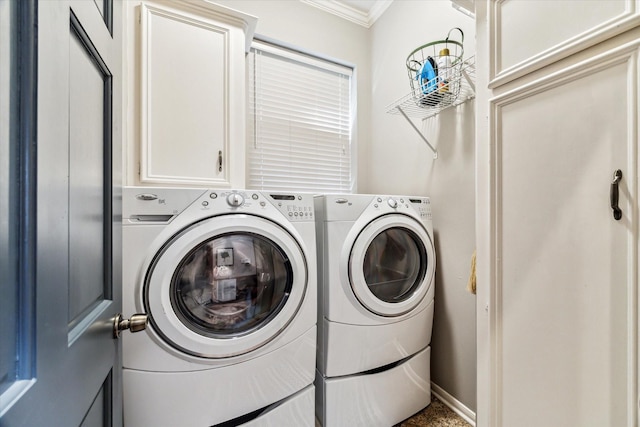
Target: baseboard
<point>456,406</point>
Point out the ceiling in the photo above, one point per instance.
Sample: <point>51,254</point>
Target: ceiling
<point>366,12</point>
<point>361,5</point>
<point>362,12</point>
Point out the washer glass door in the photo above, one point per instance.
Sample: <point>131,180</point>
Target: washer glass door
<point>225,286</point>
<point>231,284</point>
<point>392,265</point>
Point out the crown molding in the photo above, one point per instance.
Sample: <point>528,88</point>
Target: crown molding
<point>468,7</point>
<point>349,13</point>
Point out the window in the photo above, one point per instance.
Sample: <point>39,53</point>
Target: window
<point>300,122</point>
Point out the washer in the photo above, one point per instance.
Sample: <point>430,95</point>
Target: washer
<point>228,280</point>
<point>376,266</point>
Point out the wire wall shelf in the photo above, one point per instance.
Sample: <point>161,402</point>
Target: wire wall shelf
<point>424,106</point>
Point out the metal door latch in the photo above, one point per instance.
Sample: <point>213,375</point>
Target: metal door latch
<point>137,322</point>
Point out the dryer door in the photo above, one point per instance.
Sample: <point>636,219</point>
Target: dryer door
<point>225,286</point>
<point>392,265</point>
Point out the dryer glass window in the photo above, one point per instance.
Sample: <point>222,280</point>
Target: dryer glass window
<point>395,264</point>
<point>231,285</point>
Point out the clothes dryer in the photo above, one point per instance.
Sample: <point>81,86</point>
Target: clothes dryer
<point>376,267</point>
<point>228,280</point>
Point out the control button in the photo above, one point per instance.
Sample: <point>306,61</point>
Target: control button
<point>393,203</point>
<point>235,199</point>
<point>375,205</point>
<point>205,203</point>
<point>299,197</point>
<point>213,195</point>
<point>379,199</point>
<point>290,213</point>
<point>263,204</point>
<point>254,196</point>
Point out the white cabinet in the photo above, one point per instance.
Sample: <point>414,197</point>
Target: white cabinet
<point>186,93</point>
<point>558,273</point>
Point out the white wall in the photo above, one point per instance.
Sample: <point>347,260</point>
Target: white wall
<point>400,162</point>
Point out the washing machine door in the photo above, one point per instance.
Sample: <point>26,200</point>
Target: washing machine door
<point>392,265</point>
<point>225,286</point>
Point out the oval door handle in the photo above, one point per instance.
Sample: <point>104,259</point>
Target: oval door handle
<point>614,193</point>
<point>137,322</point>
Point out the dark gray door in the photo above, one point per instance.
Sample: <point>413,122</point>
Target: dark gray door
<point>61,225</point>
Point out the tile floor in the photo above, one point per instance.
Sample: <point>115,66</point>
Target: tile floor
<point>435,415</point>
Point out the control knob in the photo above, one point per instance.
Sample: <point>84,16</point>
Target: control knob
<point>235,199</point>
<point>393,203</point>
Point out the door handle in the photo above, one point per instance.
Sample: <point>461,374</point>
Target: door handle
<point>137,322</point>
<point>220,161</point>
<point>617,212</point>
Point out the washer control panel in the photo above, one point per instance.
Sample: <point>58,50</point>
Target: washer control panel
<point>235,199</point>
<point>295,206</point>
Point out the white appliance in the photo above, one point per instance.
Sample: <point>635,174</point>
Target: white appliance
<point>376,265</point>
<point>228,280</point>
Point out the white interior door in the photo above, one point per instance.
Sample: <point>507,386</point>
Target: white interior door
<point>69,279</point>
<point>558,274</point>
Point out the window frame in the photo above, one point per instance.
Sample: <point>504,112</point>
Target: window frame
<point>304,56</point>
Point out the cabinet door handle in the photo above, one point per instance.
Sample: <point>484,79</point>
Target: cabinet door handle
<point>613,195</point>
<point>220,161</point>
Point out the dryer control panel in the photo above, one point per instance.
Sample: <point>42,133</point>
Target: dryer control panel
<point>351,207</point>
<point>421,205</point>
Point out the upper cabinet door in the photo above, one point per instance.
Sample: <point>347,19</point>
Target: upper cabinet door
<point>192,96</point>
<point>526,35</point>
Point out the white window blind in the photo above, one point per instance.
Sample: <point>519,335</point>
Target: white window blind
<point>300,122</point>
